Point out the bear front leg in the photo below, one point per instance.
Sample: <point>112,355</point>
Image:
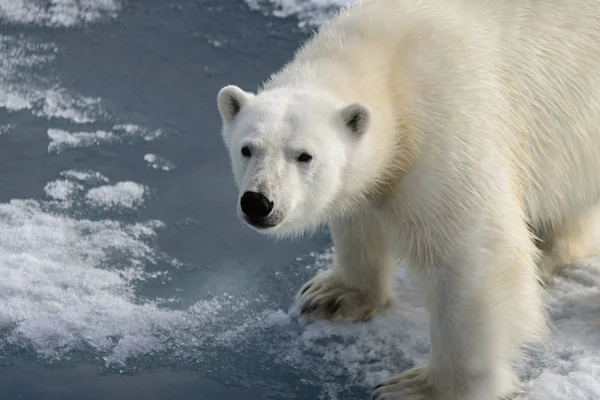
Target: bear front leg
<point>361,281</point>
<point>484,301</point>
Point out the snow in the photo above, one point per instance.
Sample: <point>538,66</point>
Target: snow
<point>61,140</point>
<point>85,176</point>
<point>56,291</point>
<point>158,162</point>
<point>57,13</point>
<point>121,195</point>
<point>59,104</point>
<point>308,13</point>
<point>61,189</point>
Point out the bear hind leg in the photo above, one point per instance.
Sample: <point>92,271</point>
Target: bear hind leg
<point>575,239</point>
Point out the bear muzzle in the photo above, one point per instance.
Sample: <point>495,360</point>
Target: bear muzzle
<point>256,209</point>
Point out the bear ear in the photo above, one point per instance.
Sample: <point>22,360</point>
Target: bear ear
<point>356,117</point>
<point>230,101</point>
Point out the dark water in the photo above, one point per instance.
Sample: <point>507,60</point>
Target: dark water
<point>157,64</point>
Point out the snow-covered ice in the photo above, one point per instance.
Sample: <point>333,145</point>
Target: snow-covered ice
<point>61,140</point>
<point>309,13</point>
<point>59,13</point>
<point>158,162</point>
<point>121,195</point>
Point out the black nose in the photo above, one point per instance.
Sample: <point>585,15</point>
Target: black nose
<point>255,205</point>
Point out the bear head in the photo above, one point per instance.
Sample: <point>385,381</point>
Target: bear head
<point>290,150</point>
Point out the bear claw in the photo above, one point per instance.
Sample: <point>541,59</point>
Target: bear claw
<point>336,306</point>
<point>306,288</point>
<point>327,297</point>
<point>412,384</point>
<point>307,308</point>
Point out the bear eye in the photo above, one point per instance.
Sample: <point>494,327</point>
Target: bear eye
<point>246,151</point>
<point>304,158</point>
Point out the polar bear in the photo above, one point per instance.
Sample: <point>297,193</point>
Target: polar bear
<point>462,136</point>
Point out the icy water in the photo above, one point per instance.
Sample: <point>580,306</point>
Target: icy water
<point>124,271</point>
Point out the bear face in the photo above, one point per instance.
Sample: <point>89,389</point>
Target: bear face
<point>289,149</point>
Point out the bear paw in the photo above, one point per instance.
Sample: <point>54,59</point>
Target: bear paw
<point>327,297</point>
<point>414,384</point>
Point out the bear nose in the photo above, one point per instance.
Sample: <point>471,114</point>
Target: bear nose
<point>255,205</point>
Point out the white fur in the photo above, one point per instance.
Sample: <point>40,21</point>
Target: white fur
<point>481,135</point>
